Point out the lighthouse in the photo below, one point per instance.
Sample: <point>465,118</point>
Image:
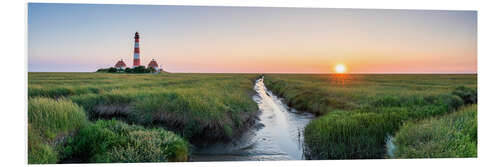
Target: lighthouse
<point>137,59</point>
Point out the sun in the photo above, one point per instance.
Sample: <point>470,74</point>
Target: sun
<point>340,68</point>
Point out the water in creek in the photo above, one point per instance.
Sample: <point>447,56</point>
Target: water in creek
<point>276,136</point>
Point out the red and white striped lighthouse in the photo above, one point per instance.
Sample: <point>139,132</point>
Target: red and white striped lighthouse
<point>137,59</point>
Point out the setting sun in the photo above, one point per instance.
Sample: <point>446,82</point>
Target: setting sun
<point>340,68</point>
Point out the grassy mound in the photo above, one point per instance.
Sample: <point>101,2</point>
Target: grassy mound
<point>358,113</point>
<point>50,123</point>
<point>59,130</point>
<point>348,135</point>
<point>116,141</point>
<point>362,133</point>
<point>449,136</point>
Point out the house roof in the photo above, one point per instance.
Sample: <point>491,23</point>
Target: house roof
<point>153,64</point>
<point>120,64</point>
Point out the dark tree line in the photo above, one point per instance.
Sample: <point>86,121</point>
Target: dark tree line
<point>138,69</point>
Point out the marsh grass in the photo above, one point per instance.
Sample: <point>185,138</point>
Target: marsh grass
<point>50,122</point>
<point>200,107</point>
<point>59,130</point>
<point>450,136</point>
<point>356,117</point>
<point>116,141</point>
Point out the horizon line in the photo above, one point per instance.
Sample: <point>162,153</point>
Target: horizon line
<point>280,72</point>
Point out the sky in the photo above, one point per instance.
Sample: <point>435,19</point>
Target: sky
<point>202,39</point>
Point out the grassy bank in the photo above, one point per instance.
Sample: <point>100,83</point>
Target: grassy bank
<point>450,136</point>
<point>58,130</point>
<point>50,123</point>
<point>200,107</point>
<point>358,112</point>
<point>116,141</point>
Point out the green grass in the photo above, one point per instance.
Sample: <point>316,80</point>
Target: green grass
<point>116,141</point>
<point>348,135</point>
<point>359,113</point>
<point>450,136</point>
<point>59,130</point>
<point>200,107</point>
<point>50,122</point>
<point>355,116</point>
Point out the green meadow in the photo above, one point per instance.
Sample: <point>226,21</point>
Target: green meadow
<point>103,117</point>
